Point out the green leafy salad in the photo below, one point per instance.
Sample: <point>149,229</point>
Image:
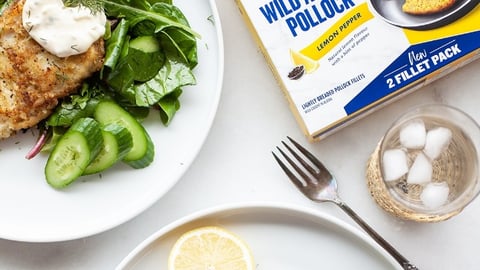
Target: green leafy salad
<point>150,52</point>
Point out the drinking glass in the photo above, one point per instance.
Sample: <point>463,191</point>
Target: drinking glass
<point>454,180</point>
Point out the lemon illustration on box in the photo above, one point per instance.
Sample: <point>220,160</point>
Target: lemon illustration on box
<point>338,60</point>
<point>299,60</point>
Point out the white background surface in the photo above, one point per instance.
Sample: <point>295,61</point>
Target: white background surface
<point>235,165</point>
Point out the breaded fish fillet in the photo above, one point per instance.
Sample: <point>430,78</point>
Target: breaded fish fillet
<point>31,79</point>
<point>426,7</point>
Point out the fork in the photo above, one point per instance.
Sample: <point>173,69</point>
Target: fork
<point>321,186</point>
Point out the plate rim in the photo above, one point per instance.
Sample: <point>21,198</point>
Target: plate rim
<point>254,206</point>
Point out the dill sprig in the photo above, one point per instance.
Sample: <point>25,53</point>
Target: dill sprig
<point>93,5</point>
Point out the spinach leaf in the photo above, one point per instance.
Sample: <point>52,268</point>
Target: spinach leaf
<point>114,45</point>
<point>137,66</point>
<point>169,105</point>
<point>136,11</point>
<point>176,42</point>
<point>145,65</point>
<point>173,75</point>
<point>121,79</point>
<point>184,42</point>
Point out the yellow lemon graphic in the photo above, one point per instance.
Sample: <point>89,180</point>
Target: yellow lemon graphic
<point>210,247</point>
<point>298,59</point>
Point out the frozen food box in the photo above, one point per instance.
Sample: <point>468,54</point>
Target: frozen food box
<point>337,60</point>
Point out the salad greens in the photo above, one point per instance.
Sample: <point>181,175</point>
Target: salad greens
<point>139,78</point>
<point>135,77</point>
<point>150,52</point>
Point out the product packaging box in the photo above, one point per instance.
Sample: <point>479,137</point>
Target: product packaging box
<point>337,60</point>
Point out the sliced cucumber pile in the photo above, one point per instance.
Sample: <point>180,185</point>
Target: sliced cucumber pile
<point>117,142</point>
<point>142,152</point>
<point>74,152</point>
<point>92,145</point>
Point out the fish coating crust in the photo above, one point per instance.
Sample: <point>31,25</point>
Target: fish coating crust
<point>426,7</point>
<point>31,79</point>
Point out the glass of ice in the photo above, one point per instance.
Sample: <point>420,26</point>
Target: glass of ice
<point>428,163</point>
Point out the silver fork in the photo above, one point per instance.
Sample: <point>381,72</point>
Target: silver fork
<point>321,186</point>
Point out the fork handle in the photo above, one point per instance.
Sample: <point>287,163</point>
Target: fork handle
<point>379,239</point>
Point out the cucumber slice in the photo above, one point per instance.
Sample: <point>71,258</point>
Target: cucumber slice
<point>73,152</point>
<point>117,142</point>
<point>143,151</point>
<point>147,158</point>
<point>146,44</point>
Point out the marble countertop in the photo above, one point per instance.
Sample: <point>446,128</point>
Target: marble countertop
<point>235,165</point>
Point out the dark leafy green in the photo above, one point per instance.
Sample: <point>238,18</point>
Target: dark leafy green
<point>114,48</point>
<point>169,105</point>
<point>172,76</point>
<point>76,106</point>
<point>136,11</point>
<point>135,78</point>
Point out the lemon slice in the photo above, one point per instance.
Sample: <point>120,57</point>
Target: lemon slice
<point>308,63</point>
<point>210,248</point>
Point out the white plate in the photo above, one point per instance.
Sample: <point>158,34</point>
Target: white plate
<point>32,211</point>
<point>281,236</point>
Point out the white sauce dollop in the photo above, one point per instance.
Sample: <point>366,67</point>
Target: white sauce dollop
<point>62,31</point>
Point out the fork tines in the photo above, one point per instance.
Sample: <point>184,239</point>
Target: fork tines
<point>313,171</point>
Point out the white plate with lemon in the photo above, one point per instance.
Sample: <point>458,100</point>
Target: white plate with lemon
<point>258,236</point>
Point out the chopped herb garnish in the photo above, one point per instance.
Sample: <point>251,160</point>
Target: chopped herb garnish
<point>93,5</point>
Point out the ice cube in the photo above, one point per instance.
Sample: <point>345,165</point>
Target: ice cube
<point>421,170</point>
<point>436,141</point>
<point>395,164</point>
<point>435,195</point>
<point>412,134</point>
